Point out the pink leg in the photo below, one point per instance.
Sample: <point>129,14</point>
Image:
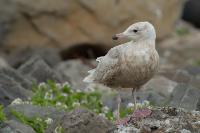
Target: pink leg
<point>139,113</point>
<point>120,121</point>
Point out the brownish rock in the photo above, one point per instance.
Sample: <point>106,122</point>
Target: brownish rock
<point>64,23</point>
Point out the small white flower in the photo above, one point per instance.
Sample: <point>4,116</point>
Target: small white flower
<point>38,119</point>
<point>78,90</point>
<point>64,106</point>
<point>90,89</point>
<point>64,94</point>
<point>95,110</point>
<point>27,102</point>
<point>17,101</point>
<point>49,121</point>
<point>48,96</point>
<point>42,85</point>
<point>139,105</point>
<point>83,101</point>
<point>58,85</point>
<point>105,109</point>
<point>58,103</point>
<point>76,104</point>
<point>66,84</point>
<point>102,114</point>
<point>130,105</point>
<point>146,103</point>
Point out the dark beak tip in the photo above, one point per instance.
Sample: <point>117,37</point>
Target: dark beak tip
<point>114,37</point>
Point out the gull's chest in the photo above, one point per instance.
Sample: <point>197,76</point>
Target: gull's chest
<point>137,56</point>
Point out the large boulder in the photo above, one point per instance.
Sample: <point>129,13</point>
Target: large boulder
<point>81,121</point>
<point>7,15</point>
<point>31,111</point>
<point>19,56</point>
<point>188,74</point>
<point>13,126</point>
<point>13,85</point>
<point>74,71</point>
<point>182,48</point>
<point>38,70</point>
<point>60,23</point>
<point>185,96</point>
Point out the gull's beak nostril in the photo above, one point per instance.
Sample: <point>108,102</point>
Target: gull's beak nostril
<point>114,37</point>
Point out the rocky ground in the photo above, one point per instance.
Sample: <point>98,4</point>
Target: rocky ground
<point>60,53</point>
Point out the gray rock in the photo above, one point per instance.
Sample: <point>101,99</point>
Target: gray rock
<point>10,90</point>
<point>13,126</point>
<point>37,69</point>
<point>188,74</point>
<point>193,70</point>
<point>21,55</point>
<point>82,121</point>
<point>164,120</point>
<point>75,71</point>
<point>3,62</point>
<point>17,77</point>
<point>161,85</point>
<point>31,111</point>
<point>185,96</point>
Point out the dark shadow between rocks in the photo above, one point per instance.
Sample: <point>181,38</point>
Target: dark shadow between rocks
<point>84,51</point>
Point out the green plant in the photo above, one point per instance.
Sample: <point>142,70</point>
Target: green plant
<point>197,63</point>
<point>63,97</point>
<point>2,115</point>
<point>182,31</point>
<point>36,123</point>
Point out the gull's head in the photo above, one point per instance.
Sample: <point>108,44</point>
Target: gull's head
<point>138,31</point>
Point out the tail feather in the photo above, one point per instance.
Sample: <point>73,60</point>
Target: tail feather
<point>99,59</point>
<point>90,77</point>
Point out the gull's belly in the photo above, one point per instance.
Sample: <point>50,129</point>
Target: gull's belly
<point>139,68</point>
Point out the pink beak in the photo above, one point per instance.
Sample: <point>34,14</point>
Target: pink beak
<point>118,36</point>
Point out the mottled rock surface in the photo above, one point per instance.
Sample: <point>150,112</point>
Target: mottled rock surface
<point>13,85</point>
<point>164,120</point>
<point>82,121</point>
<point>13,126</point>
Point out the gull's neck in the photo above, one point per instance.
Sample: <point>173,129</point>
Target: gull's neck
<point>144,42</point>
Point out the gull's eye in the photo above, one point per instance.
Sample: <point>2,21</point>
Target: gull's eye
<point>135,31</point>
